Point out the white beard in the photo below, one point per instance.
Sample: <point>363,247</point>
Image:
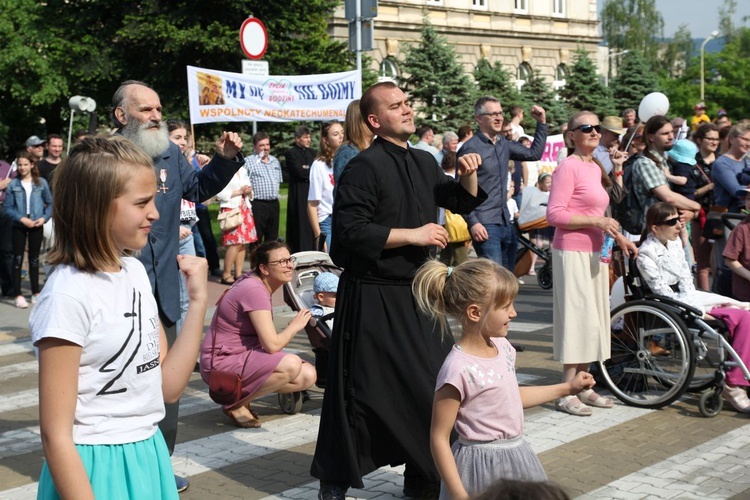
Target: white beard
<point>151,142</point>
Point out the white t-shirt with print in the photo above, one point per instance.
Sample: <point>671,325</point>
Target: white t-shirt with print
<point>321,188</point>
<point>114,318</point>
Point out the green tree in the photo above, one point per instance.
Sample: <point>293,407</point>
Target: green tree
<point>441,92</point>
<point>538,91</point>
<point>678,53</point>
<point>635,25</point>
<point>727,74</point>
<point>635,79</point>
<point>495,80</point>
<point>57,48</point>
<point>583,90</point>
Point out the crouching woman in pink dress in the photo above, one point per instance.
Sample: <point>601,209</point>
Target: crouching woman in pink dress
<point>242,338</point>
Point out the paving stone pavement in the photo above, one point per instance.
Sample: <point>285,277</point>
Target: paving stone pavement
<point>624,452</point>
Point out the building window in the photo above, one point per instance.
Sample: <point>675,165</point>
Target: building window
<point>558,7</point>
<point>479,4</point>
<point>560,74</point>
<point>523,73</point>
<point>388,71</point>
<point>521,7</point>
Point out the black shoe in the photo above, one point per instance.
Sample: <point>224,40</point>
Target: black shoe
<point>182,483</point>
<point>217,273</point>
<point>330,490</point>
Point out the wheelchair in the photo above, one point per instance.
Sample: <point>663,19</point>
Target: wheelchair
<point>662,348</point>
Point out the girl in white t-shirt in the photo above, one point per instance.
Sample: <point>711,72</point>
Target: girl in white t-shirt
<point>477,391</point>
<point>104,369</point>
<point>320,195</point>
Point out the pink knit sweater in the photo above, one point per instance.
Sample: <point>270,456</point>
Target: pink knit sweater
<point>576,190</point>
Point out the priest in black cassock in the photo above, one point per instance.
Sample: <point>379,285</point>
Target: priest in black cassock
<point>385,356</point>
<point>299,157</point>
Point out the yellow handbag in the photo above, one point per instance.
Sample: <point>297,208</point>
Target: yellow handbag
<point>457,228</point>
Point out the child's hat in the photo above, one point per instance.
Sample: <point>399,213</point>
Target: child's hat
<point>326,282</point>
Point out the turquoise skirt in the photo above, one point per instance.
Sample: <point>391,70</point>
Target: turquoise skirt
<point>140,470</point>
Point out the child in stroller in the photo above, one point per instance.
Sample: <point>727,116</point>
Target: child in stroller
<point>533,217</point>
<point>324,290</point>
<point>300,293</point>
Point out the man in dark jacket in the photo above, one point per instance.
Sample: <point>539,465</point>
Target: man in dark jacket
<point>298,158</point>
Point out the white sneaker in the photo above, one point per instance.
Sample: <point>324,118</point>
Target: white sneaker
<point>737,397</point>
<point>520,281</point>
<point>21,302</point>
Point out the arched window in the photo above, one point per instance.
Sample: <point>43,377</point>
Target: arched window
<point>388,71</point>
<point>561,72</point>
<point>523,73</point>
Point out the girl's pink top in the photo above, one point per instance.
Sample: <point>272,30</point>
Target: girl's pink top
<point>576,190</point>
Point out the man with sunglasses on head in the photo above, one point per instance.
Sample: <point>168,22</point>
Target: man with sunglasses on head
<point>490,222</point>
<point>650,180</point>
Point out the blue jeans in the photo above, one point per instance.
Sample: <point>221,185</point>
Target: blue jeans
<point>200,248</point>
<point>187,247</point>
<point>500,246</point>
<point>325,228</point>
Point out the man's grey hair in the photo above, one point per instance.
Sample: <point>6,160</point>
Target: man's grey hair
<point>119,99</point>
<point>479,105</point>
<point>449,136</point>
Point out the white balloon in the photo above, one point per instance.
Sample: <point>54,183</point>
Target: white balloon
<point>654,104</point>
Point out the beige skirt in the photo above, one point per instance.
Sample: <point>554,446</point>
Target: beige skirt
<point>580,330</point>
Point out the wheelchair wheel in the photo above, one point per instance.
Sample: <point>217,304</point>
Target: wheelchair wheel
<point>290,403</point>
<point>652,359</point>
<point>711,403</point>
<point>544,277</point>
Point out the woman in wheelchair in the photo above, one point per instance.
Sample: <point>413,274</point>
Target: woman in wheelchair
<point>664,269</point>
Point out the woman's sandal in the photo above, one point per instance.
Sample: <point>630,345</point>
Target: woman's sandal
<point>590,398</point>
<point>254,423</point>
<point>573,406</point>
<point>227,281</point>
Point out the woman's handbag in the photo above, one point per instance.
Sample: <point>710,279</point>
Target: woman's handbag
<point>224,388</point>
<point>457,228</point>
<point>230,220</point>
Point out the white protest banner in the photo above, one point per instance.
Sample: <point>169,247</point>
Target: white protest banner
<point>218,96</point>
<point>548,161</point>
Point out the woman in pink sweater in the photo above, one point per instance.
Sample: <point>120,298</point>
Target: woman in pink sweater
<point>577,205</point>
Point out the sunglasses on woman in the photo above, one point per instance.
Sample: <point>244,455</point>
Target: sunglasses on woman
<point>670,222</point>
<point>586,129</point>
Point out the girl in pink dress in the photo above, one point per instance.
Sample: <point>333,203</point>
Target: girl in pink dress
<point>477,392</point>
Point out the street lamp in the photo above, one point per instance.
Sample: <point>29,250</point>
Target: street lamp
<point>611,54</point>
<point>703,50</point>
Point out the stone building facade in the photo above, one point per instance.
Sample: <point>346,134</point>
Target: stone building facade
<point>525,35</point>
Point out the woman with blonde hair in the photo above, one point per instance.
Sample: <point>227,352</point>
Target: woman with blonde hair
<point>577,204</point>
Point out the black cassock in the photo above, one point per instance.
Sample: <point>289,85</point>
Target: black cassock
<point>385,356</point>
<point>299,234</point>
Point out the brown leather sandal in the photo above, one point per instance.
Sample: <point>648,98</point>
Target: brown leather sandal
<point>254,423</point>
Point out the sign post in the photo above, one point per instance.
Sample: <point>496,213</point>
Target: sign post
<point>254,42</point>
<point>360,14</point>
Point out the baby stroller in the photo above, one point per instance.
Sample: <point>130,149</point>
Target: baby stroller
<point>533,216</point>
<point>298,294</point>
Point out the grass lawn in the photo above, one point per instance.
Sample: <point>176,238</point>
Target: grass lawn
<point>213,209</point>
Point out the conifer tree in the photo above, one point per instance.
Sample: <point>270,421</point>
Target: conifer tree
<point>441,92</point>
<point>495,80</point>
<point>633,82</point>
<point>583,90</point>
<point>538,91</point>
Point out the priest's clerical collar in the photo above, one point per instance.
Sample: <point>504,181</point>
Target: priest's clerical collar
<point>391,146</point>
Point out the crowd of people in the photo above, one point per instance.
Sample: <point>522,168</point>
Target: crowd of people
<point>123,220</point>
